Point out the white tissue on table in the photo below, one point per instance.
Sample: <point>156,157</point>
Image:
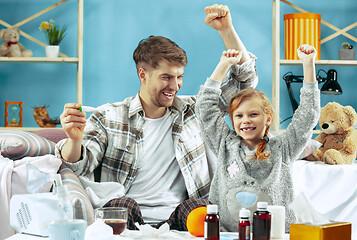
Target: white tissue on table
<point>163,232</point>
<point>99,230</point>
<point>151,232</point>
<point>305,213</point>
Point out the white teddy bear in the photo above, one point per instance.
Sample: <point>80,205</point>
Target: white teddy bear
<point>11,46</point>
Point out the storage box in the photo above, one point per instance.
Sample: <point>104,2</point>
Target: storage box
<point>347,54</point>
<point>302,28</point>
<point>331,231</point>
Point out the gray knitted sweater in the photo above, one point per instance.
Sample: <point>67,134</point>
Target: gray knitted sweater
<point>241,181</point>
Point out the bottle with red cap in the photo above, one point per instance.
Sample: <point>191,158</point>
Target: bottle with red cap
<point>244,224</point>
<point>261,222</point>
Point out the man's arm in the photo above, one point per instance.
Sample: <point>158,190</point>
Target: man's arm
<point>242,75</point>
<point>219,18</point>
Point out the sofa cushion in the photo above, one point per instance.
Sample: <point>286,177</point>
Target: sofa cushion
<point>16,144</point>
<point>52,134</point>
<point>82,207</point>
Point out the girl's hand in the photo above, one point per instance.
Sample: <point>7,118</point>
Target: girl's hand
<point>230,57</point>
<point>307,53</point>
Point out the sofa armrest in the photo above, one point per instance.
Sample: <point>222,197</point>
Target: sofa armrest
<point>82,206</point>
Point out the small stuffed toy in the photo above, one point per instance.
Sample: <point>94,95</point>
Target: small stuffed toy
<point>11,46</point>
<point>42,118</point>
<point>338,137</point>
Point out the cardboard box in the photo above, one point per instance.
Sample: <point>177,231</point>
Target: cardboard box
<point>331,231</point>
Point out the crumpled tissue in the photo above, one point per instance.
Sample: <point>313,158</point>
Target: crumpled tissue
<point>99,231</point>
<point>305,213</point>
<point>148,232</point>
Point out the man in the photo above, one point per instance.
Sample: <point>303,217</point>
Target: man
<point>151,143</point>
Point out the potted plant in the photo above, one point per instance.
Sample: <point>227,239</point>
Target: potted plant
<point>347,52</point>
<point>54,35</point>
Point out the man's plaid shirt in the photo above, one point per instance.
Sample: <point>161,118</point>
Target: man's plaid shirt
<point>114,137</point>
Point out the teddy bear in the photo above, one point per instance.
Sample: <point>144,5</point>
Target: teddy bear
<point>338,137</point>
<point>11,46</point>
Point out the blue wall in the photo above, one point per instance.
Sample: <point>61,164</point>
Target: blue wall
<point>112,29</point>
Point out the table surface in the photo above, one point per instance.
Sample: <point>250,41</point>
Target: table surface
<point>136,235</point>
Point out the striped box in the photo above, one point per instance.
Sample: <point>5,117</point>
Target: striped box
<point>302,28</point>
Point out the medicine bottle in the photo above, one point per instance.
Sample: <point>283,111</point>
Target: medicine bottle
<point>211,225</point>
<point>261,222</point>
<point>244,224</point>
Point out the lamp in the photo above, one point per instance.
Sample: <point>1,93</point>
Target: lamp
<point>330,87</point>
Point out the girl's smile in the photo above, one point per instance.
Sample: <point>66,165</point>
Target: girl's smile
<point>250,121</point>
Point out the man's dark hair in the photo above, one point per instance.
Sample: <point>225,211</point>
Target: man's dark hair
<point>150,51</point>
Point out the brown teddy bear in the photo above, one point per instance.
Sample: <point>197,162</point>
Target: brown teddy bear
<point>11,46</point>
<point>338,137</point>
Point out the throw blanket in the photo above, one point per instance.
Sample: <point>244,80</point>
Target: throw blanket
<point>13,181</point>
<point>101,193</point>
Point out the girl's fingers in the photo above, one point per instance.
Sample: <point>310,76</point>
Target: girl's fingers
<point>231,53</point>
<point>306,49</point>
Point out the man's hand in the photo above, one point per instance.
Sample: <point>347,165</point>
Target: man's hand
<point>307,53</point>
<point>73,121</point>
<point>218,17</point>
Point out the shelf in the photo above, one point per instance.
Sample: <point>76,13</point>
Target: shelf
<point>38,60</point>
<point>277,62</point>
<point>321,62</point>
<point>29,129</point>
<point>78,60</point>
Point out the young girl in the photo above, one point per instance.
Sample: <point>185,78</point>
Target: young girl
<point>252,167</point>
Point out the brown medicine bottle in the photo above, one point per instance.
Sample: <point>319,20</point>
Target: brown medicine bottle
<point>261,222</point>
<point>211,225</point>
<point>244,224</point>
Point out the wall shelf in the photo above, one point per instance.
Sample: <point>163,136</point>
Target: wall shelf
<point>322,62</point>
<point>38,60</point>
<point>277,62</point>
<point>78,60</point>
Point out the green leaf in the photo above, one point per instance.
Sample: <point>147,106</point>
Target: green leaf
<point>55,35</point>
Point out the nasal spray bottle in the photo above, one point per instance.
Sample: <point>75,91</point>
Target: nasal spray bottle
<point>30,213</point>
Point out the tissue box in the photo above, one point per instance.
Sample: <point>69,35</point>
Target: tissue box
<point>331,231</point>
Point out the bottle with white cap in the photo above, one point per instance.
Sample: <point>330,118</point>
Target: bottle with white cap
<point>261,222</point>
<point>244,224</point>
<point>211,225</point>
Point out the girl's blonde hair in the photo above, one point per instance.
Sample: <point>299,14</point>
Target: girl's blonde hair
<point>267,108</point>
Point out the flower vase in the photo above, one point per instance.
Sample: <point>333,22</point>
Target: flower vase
<point>52,51</point>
